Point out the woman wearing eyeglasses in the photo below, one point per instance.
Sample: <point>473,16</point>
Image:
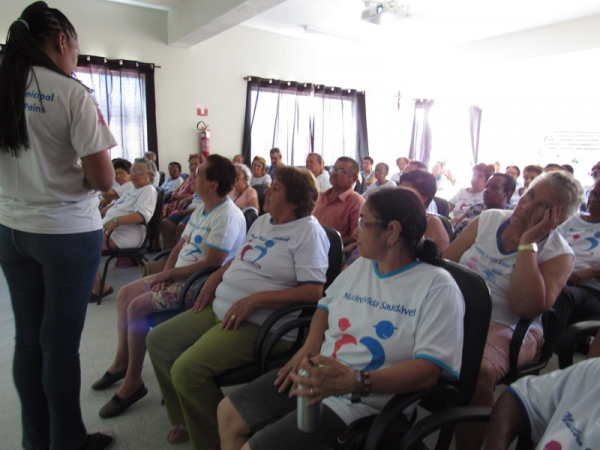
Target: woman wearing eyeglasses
<point>382,328</point>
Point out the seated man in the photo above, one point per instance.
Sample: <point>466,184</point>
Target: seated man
<point>172,183</point>
<point>557,410</point>
<point>315,163</point>
<point>401,162</point>
<point>152,157</point>
<point>339,207</point>
<point>212,237</point>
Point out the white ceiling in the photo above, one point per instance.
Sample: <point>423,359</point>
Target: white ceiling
<point>434,22</point>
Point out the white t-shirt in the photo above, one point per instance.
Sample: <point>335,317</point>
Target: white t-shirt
<point>172,184</point>
<point>562,408</point>
<point>376,321</point>
<point>463,199</point>
<point>273,258</point>
<point>266,178</point>
<point>487,257</point>
<point>142,201</point>
<point>223,228</point>
<point>376,186</point>
<point>122,189</point>
<point>583,237</point>
<point>396,178</point>
<point>42,189</point>
<point>323,181</point>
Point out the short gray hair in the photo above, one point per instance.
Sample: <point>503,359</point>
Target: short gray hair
<point>568,190</point>
<point>150,167</point>
<point>245,170</point>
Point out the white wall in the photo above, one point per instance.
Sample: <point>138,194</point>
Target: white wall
<point>552,89</point>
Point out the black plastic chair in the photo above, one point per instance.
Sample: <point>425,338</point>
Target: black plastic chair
<point>478,310</point>
<point>262,349</point>
<point>447,225</point>
<point>443,208</point>
<point>569,338</point>
<point>260,190</point>
<point>189,292</point>
<point>549,320</point>
<point>134,252</point>
<point>251,214</point>
<point>162,177</point>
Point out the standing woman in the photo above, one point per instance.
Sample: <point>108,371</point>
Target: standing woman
<point>53,143</point>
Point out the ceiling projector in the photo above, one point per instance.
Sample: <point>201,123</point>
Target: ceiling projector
<point>390,11</point>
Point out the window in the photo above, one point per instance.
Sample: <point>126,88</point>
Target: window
<point>302,118</point>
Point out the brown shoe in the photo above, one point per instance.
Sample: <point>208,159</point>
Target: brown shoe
<point>108,379</point>
<point>118,405</point>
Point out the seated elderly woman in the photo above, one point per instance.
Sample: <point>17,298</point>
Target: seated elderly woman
<point>243,195</point>
<point>525,263</point>
<point>424,185</point>
<point>259,172</point>
<point>365,342</point>
<point>213,235</point>
<point>467,196</point>
<point>580,299</point>
<point>122,183</point>
<point>121,218</point>
<point>283,260</point>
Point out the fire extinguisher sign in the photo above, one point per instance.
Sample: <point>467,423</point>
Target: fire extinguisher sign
<point>202,109</point>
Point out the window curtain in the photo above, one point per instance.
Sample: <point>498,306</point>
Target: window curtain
<point>125,94</point>
<point>474,125</point>
<point>420,143</point>
<point>300,118</point>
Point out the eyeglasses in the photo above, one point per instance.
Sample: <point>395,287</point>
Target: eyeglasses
<point>339,171</point>
<point>363,224</point>
<point>137,172</point>
<point>380,171</point>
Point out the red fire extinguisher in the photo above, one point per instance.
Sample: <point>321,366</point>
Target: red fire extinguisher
<point>204,138</point>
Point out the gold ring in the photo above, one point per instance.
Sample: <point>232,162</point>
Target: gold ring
<point>311,392</point>
<point>233,317</point>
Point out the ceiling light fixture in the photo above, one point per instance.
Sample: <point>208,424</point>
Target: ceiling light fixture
<point>385,12</point>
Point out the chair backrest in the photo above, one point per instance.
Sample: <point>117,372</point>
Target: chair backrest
<point>567,342</point>
<point>478,311</point>
<point>260,190</point>
<point>161,179</point>
<point>251,214</point>
<point>154,223</point>
<point>336,254</point>
<point>443,208</point>
<point>447,225</point>
<point>185,175</point>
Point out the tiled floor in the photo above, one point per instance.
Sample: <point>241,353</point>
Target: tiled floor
<point>143,427</point>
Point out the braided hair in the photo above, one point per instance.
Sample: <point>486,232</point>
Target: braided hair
<point>24,48</point>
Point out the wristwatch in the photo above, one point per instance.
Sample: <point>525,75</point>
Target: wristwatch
<point>531,247</point>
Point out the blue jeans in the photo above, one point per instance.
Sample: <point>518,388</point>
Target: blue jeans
<point>50,278</point>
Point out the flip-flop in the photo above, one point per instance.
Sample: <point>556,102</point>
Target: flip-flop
<point>94,297</point>
<point>178,435</point>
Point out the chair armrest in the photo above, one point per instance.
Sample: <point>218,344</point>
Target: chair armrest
<point>436,421</point>
<point>569,337</point>
<point>162,255</point>
<point>398,404</point>
<point>274,317</point>
<point>515,348</point>
<point>206,272</point>
<point>298,323</point>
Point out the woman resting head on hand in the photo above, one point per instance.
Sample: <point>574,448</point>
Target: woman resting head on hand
<point>526,264</point>
<point>382,328</point>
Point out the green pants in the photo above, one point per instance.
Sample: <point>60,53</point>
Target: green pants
<point>187,352</point>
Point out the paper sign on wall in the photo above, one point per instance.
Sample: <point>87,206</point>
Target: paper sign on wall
<point>202,109</point>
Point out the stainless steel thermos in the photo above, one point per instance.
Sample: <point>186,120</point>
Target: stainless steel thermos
<point>309,418</point>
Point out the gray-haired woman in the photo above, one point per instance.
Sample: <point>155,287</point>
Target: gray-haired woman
<point>243,195</point>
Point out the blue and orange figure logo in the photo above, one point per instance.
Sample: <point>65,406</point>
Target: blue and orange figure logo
<point>252,253</point>
<point>384,330</point>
